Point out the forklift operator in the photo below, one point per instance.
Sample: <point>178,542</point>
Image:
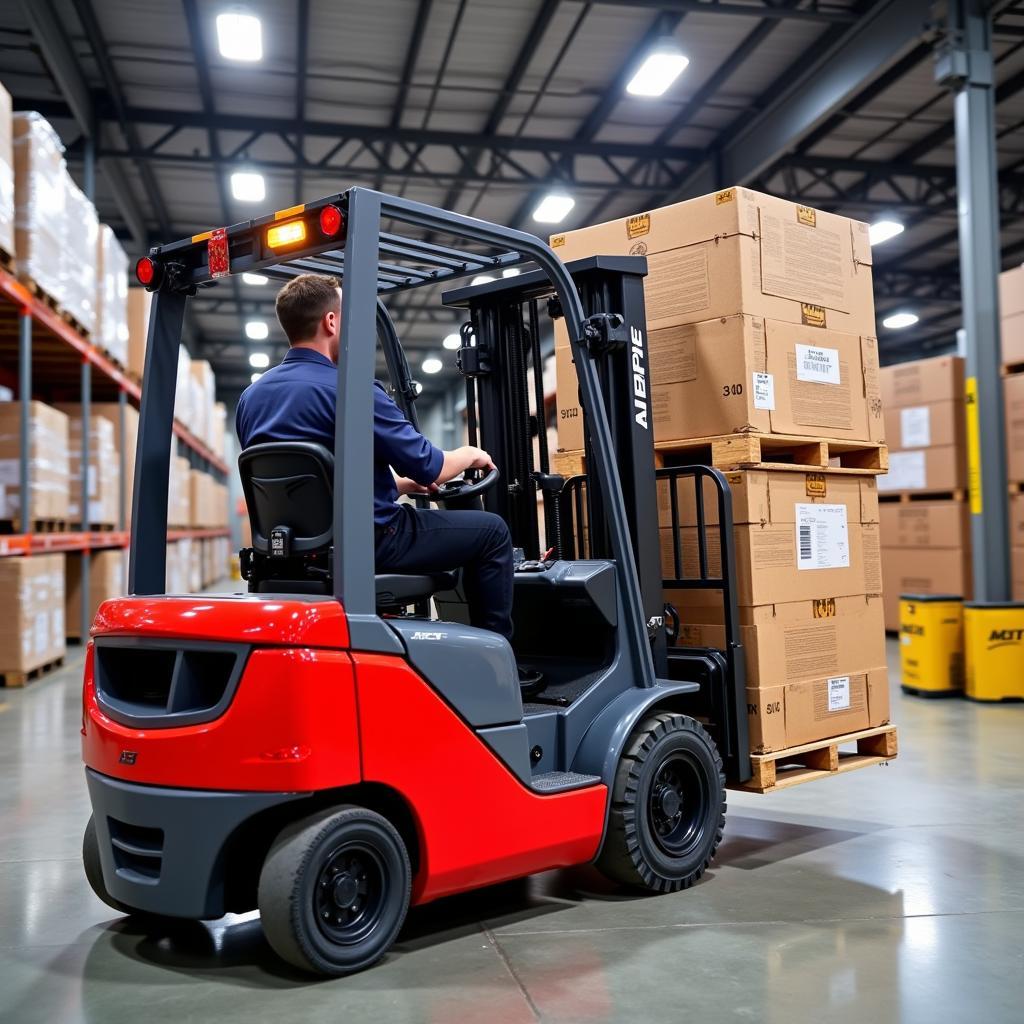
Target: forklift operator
<point>295,401</point>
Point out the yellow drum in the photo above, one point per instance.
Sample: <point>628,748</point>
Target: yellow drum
<point>994,645</point>
<point>932,644</point>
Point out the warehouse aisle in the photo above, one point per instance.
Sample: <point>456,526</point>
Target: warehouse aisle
<point>881,895</point>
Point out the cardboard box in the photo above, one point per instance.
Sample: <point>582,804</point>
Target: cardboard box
<point>745,373</point>
<point>739,251</point>
<point>1013,401</point>
<point>1017,569</point>
<point>104,468</point>
<point>108,577</point>
<point>179,494</point>
<point>1011,292</point>
<point>795,713</point>
<point>569,415</point>
<point>926,425</point>
<point>111,295</point>
<point>927,524</point>
<point>48,463</point>
<point>111,411</point>
<point>78,257</point>
<point>6,175</point>
<point>923,571</point>
<point>32,597</point>
<point>218,430</point>
<point>1011,332</point>
<point>925,469</point>
<point>139,303</point>
<point>1017,520</point>
<point>940,379</point>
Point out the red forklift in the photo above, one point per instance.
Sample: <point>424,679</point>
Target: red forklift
<point>336,745</point>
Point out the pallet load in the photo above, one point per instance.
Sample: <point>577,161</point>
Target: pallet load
<point>763,362</point>
<point>1017,544</point>
<point>112,411</point>
<point>203,395</point>
<point>179,494</point>
<point>104,470</point>
<point>925,531</point>
<point>78,258</point>
<point>32,628</point>
<point>48,468</point>
<point>7,249</point>
<point>208,501</point>
<point>139,303</point>
<point>111,296</point>
<point>108,577</point>
<point>183,392</point>
<point>218,429</point>
<point>1011,309</point>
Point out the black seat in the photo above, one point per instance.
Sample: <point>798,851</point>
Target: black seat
<point>289,492</point>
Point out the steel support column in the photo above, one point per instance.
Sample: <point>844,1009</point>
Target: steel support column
<point>965,66</point>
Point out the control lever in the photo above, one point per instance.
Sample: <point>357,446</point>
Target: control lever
<point>531,565</point>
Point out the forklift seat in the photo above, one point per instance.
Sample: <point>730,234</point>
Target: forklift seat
<point>289,493</point>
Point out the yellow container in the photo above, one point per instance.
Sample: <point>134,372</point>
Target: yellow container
<point>932,644</point>
<point>994,647</point>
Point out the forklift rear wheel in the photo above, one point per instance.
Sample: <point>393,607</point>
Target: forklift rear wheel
<point>334,890</point>
<point>94,871</point>
<point>668,806</point>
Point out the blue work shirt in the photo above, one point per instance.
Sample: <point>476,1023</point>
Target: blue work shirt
<point>295,401</point>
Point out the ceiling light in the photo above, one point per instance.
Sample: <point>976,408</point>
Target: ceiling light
<point>256,330</point>
<point>255,279</point>
<point>882,230</point>
<point>452,342</point>
<point>511,272</point>
<point>248,186</point>
<point>554,207</point>
<point>259,360</point>
<point>658,71</point>
<point>481,279</point>
<point>239,36</point>
<point>255,377</point>
<point>899,320</point>
<point>432,365</point>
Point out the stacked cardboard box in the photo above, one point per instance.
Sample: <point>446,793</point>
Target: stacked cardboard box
<point>179,494</point>
<point>6,175</point>
<point>208,501</point>
<point>78,257</point>
<point>104,494</point>
<point>32,626</point>
<point>48,465</point>
<point>204,394</point>
<point>808,579</point>
<point>139,304</point>
<point>108,577</point>
<point>760,317</point>
<point>1017,545</point>
<point>127,443</point>
<point>215,553</point>
<point>218,429</point>
<point>111,295</point>
<point>1011,309</point>
<point>926,548</point>
<point>183,391</point>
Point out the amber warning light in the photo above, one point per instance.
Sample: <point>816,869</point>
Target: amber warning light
<point>290,233</point>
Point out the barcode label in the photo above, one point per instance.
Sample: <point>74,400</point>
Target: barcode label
<point>839,693</point>
<point>822,537</point>
<point>817,365</point>
<point>764,391</point>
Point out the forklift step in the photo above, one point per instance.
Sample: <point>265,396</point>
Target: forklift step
<point>558,782</point>
<point>809,761</point>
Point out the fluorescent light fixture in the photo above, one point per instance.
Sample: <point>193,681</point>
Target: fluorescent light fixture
<point>658,71</point>
<point>897,321</point>
<point>248,186</point>
<point>511,272</point>
<point>452,342</point>
<point>259,360</point>
<point>255,279</point>
<point>481,279</point>
<point>882,230</point>
<point>256,330</point>
<point>432,365</point>
<point>239,35</point>
<point>255,377</point>
<point>554,207</point>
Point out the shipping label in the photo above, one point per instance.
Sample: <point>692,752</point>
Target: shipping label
<point>816,485</point>
<point>638,225</point>
<point>822,537</point>
<point>817,365</point>
<point>915,427</point>
<point>907,472</point>
<point>838,693</point>
<point>764,390</point>
<point>813,316</point>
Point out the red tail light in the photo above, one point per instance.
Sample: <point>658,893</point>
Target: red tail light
<point>145,271</point>
<point>330,221</point>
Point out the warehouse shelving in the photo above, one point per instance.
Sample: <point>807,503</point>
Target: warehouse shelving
<point>52,356</point>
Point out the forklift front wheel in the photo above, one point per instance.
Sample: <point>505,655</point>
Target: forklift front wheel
<point>334,890</point>
<point>668,806</point>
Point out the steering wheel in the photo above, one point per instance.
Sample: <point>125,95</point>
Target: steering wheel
<point>471,484</point>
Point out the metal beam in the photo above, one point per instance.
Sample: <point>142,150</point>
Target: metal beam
<point>878,37</point>
<point>821,14</point>
<point>301,63</point>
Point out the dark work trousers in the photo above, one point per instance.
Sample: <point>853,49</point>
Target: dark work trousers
<point>432,540</point>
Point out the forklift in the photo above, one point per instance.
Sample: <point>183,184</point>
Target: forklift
<point>337,745</point>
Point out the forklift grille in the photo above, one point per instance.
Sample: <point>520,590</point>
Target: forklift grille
<point>142,682</point>
<point>138,851</point>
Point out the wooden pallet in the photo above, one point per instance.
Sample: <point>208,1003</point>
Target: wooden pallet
<point>16,679</point>
<point>905,497</point>
<point>38,526</point>
<point>810,761</point>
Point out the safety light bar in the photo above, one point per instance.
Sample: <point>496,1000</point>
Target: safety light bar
<point>282,236</point>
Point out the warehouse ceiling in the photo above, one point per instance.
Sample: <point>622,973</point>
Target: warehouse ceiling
<point>485,106</point>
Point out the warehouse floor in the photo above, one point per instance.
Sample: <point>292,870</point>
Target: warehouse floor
<point>887,894</point>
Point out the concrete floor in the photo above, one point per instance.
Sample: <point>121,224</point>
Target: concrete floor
<point>889,894</point>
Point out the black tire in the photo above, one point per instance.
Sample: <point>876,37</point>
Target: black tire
<point>94,871</point>
<point>668,806</point>
<point>334,890</point>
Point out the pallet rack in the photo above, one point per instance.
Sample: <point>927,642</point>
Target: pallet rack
<point>54,357</point>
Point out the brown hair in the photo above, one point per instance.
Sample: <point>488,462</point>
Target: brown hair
<point>303,302</point>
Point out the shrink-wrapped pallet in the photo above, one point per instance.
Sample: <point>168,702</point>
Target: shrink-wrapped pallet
<point>78,257</point>
<point>6,175</point>
<point>111,295</point>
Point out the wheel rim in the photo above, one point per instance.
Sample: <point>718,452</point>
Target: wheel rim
<point>677,805</point>
<point>350,893</point>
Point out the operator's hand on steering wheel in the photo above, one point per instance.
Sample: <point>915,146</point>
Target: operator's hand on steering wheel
<point>410,487</point>
<point>481,460</point>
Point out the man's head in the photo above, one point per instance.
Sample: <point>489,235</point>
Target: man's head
<point>309,310</point>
